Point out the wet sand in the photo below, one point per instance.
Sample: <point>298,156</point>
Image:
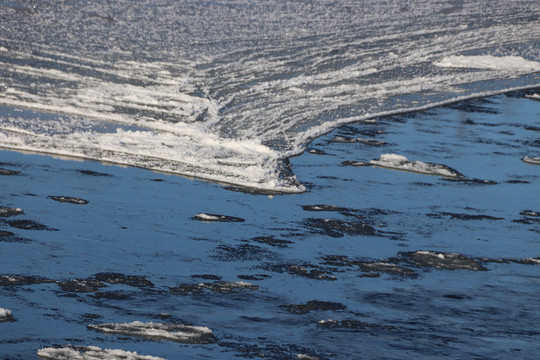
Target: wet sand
<point>371,262</point>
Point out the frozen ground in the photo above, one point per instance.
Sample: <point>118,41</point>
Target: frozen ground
<point>370,262</point>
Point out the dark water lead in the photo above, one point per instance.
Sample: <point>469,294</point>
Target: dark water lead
<point>159,331</point>
<point>69,199</point>
<point>70,352</point>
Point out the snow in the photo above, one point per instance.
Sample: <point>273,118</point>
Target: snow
<point>490,62</point>
<point>69,352</point>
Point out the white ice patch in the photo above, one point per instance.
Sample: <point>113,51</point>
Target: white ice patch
<point>4,313</point>
<point>533,96</point>
<point>489,62</point>
<point>208,217</point>
<point>173,332</point>
<point>400,162</point>
<point>531,160</point>
<point>69,352</point>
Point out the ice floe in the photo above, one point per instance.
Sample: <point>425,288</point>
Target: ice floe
<point>6,315</point>
<point>69,352</point>
<point>217,218</point>
<point>164,331</point>
<point>534,160</point>
<point>400,162</point>
<point>69,199</point>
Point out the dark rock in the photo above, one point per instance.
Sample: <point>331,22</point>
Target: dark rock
<point>244,252</point>
<point>81,285</point>
<point>312,306</point>
<point>111,295</point>
<point>219,287</point>
<point>518,182</point>
<point>370,268</point>
<point>442,260</point>
<point>69,199</point>
<point>530,213</point>
<point>272,241</point>
<point>470,181</point>
<point>456,296</point>
<point>8,236</point>
<point>254,277</point>
<point>93,173</point>
<point>7,172</point>
<point>129,280</point>
<point>7,211</point>
<point>460,216</point>
<point>21,280</point>
<point>338,228</point>
<point>207,277</point>
<point>217,218</point>
<point>29,225</point>
<point>305,270</point>
<point>353,325</point>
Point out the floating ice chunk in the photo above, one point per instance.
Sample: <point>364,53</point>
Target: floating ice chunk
<point>531,160</point>
<point>5,315</point>
<point>217,218</point>
<point>69,199</point>
<point>489,62</point>
<point>533,96</point>
<point>4,312</point>
<point>69,352</point>
<point>400,162</point>
<point>173,332</point>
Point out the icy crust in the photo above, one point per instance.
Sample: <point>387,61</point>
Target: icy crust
<point>400,162</point>
<point>515,64</point>
<point>172,332</point>
<point>531,160</point>
<point>69,352</point>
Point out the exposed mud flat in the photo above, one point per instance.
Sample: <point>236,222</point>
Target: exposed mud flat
<point>367,261</point>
